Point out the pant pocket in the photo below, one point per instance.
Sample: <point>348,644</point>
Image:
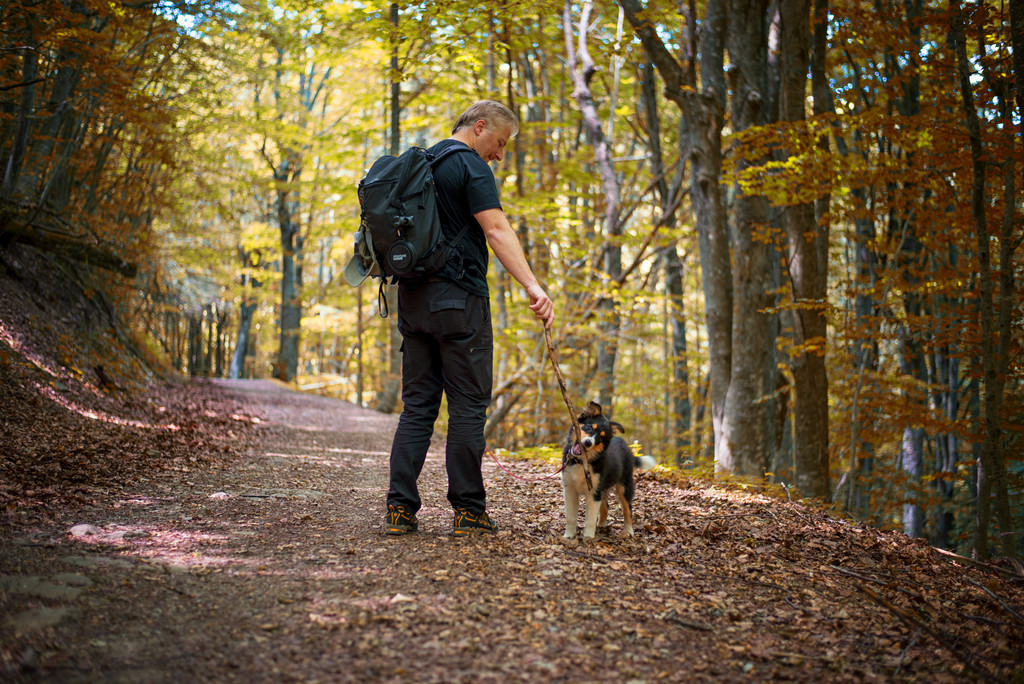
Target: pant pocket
<point>447,304</point>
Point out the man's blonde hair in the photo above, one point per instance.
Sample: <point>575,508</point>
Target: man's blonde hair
<point>494,113</point>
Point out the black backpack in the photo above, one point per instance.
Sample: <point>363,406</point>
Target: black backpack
<point>400,232</point>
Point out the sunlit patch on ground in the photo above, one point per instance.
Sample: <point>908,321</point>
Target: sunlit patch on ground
<point>335,612</point>
<point>304,457</point>
<point>153,544</point>
<point>35,359</point>
<point>140,500</point>
<point>280,493</point>
<point>324,456</point>
<point>307,428</point>
<point>358,452</point>
<point>195,559</point>
<point>93,414</point>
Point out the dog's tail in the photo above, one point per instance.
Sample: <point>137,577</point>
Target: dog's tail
<point>644,462</point>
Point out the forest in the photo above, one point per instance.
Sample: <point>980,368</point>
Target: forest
<point>782,237</point>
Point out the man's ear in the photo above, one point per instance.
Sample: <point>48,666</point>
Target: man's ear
<point>480,126</point>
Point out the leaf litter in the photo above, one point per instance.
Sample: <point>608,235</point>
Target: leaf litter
<point>245,545</point>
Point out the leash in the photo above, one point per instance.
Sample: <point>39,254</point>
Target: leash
<point>553,355</point>
<point>522,479</point>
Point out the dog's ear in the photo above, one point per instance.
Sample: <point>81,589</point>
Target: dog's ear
<point>593,410</point>
<point>617,426</point>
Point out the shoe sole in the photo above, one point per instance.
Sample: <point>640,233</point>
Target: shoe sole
<point>466,531</point>
<point>399,530</point>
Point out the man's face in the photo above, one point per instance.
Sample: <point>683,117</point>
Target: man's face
<point>490,143</point>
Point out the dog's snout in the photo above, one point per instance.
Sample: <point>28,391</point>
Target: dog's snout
<point>588,441</point>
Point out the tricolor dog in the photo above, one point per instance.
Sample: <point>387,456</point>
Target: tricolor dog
<point>611,467</point>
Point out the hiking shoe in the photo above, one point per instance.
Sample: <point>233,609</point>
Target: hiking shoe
<point>473,523</point>
<point>399,521</point>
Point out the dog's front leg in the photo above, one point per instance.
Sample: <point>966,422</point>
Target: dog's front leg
<point>572,508</point>
<point>593,507</point>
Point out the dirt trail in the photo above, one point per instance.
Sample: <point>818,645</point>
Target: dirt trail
<point>273,568</point>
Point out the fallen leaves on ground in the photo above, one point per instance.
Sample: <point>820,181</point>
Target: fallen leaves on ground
<point>272,566</point>
<point>231,530</point>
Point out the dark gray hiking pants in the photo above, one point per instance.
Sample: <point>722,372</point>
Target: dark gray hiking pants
<point>446,347</point>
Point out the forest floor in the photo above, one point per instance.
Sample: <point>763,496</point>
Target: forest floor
<point>162,531</point>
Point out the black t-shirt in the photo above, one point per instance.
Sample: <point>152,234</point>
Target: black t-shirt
<point>465,186</point>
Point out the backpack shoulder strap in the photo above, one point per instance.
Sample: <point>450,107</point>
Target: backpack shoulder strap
<point>436,159</point>
<point>407,159</point>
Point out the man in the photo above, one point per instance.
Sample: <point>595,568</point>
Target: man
<point>446,326</point>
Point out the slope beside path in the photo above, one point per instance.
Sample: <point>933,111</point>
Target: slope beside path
<point>257,556</point>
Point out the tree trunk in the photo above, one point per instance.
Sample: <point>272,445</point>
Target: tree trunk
<point>912,455</point>
<point>864,348</point>
<point>360,344</point>
<point>807,280</point>
<point>944,371</point>
<point>824,103</point>
<point>210,316</point>
<point>947,445</point>
<point>291,280</point>
<point>679,391</point>
<point>1017,39</point>
<point>865,356</point>
<point>748,424</point>
<point>991,384</point>
<point>582,69</point>
<point>19,144</point>
<point>502,403</point>
<point>703,113</point>
<point>704,122</point>
<point>47,136</point>
<point>236,368</point>
<point>1009,239</point>
<point>195,344</point>
<point>387,397</point>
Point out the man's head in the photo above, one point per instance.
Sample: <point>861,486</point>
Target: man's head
<point>487,126</point>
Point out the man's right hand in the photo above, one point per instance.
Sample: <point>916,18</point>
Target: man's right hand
<point>541,305</point>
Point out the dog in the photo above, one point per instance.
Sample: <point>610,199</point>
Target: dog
<point>611,464</point>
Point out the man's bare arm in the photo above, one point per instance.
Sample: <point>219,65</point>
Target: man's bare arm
<point>505,244</point>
